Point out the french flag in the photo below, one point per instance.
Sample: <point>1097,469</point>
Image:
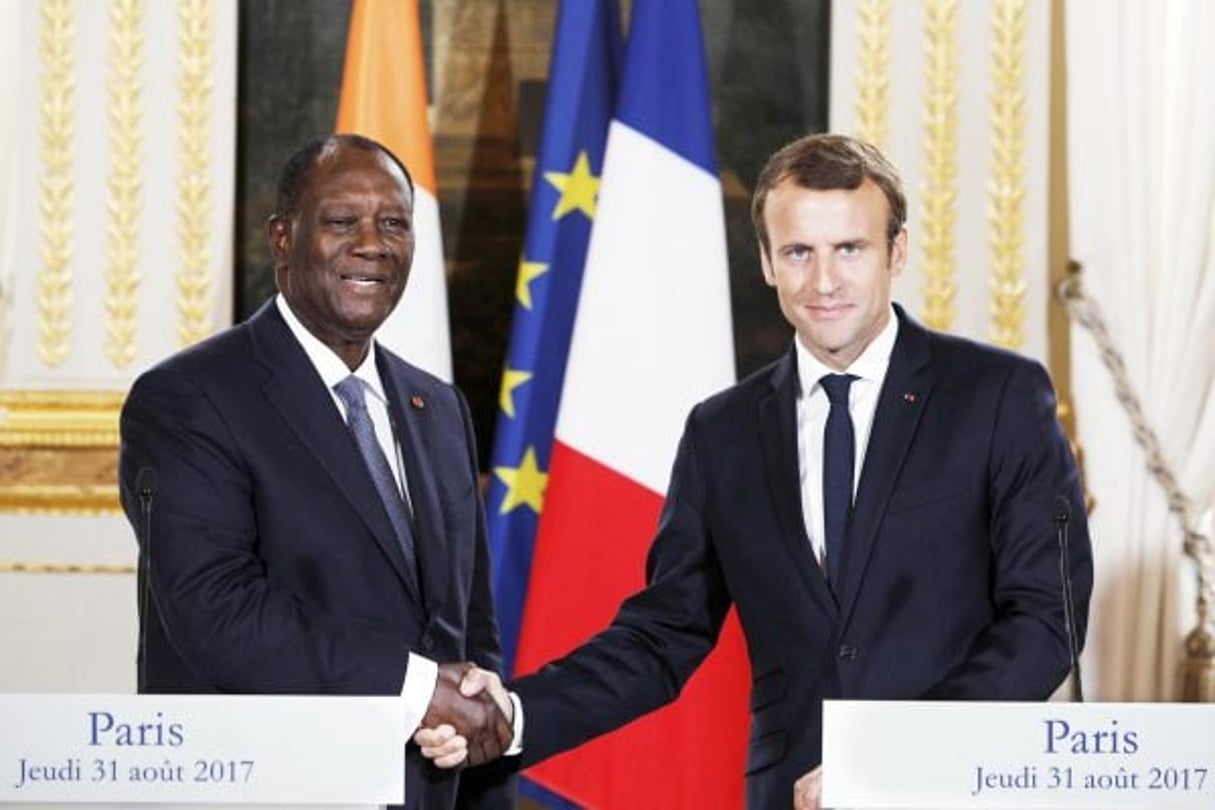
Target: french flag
<point>652,337</point>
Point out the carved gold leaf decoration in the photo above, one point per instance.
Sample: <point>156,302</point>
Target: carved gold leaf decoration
<point>194,184</point>
<point>873,70</point>
<point>125,183</point>
<point>1006,193</point>
<point>58,451</point>
<point>940,162</point>
<point>57,127</point>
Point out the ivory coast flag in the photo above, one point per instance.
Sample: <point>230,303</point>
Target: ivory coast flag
<point>384,97</point>
<point>652,336</point>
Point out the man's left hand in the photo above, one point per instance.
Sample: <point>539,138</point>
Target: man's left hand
<point>808,790</point>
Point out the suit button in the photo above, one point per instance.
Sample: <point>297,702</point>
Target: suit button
<point>846,652</point>
<point>428,642</point>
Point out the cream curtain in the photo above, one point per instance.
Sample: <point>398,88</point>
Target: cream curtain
<point>1141,162</point>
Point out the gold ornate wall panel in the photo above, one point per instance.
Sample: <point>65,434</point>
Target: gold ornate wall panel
<point>123,206</point>
<point>873,70</point>
<point>124,139</point>
<point>194,186</point>
<point>57,40</point>
<point>1007,186</point>
<point>967,93</point>
<point>938,199</point>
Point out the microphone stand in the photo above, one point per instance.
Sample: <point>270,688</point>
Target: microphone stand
<point>145,483</point>
<point>1063,514</point>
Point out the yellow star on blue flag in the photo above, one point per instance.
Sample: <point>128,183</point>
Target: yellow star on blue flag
<point>528,271</point>
<point>512,378</point>
<point>578,188</point>
<point>524,484</point>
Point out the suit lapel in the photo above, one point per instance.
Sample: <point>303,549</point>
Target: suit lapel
<point>412,425</point>
<point>296,391</point>
<point>777,414</point>
<point>901,403</point>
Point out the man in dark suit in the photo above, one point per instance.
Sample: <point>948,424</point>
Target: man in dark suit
<point>935,574</point>
<point>307,502</point>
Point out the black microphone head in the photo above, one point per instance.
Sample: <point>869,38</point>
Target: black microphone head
<point>1063,509</point>
<point>145,481</point>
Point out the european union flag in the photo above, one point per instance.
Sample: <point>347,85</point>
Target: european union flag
<point>587,50</point>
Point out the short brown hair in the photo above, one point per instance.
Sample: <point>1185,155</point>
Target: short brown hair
<point>824,162</point>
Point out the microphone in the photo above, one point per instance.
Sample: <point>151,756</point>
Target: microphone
<point>1063,515</point>
<point>145,487</point>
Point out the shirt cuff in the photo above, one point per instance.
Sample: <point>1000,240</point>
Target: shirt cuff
<point>516,742</point>
<point>421,675</point>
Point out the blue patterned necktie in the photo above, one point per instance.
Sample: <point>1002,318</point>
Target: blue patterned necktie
<point>359,421</point>
<point>839,454</point>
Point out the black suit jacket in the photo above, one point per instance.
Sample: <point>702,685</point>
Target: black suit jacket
<point>274,567</point>
<point>950,574</point>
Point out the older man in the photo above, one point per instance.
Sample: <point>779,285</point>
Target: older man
<point>307,502</point>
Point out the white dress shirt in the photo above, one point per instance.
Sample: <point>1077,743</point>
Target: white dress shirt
<point>812,409</point>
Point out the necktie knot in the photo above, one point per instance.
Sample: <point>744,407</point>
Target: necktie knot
<point>350,390</point>
<point>836,387</point>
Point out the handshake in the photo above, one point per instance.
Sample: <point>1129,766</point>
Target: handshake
<point>469,720</point>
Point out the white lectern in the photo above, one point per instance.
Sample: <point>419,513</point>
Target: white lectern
<point>938,755</point>
<point>194,750</point>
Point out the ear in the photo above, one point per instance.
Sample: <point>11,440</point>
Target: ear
<point>898,252</point>
<point>765,263</point>
<point>278,236</point>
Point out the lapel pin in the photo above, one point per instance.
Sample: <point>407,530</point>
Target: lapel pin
<point>417,401</point>
<point>910,396</point>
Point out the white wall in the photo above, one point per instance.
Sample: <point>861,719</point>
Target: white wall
<point>67,632</point>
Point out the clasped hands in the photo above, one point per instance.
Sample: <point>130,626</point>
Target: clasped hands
<point>469,720</point>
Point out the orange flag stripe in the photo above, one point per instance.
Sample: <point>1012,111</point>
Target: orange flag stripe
<point>384,84</point>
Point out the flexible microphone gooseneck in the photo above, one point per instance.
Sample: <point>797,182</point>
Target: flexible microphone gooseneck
<point>1063,515</point>
<point>145,486</point>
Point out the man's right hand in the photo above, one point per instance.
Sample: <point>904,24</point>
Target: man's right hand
<point>476,717</point>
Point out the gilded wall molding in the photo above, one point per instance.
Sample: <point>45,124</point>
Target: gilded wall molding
<point>1006,191</point>
<point>64,568</point>
<point>195,81</point>
<point>873,70</point>
<point>58,451</point>
<point>124,198</point>
<point>57,42</point>
<point>939,204</point>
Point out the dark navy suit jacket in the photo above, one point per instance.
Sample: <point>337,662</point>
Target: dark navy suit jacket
<point>274,568</point>
<point>950,584</point>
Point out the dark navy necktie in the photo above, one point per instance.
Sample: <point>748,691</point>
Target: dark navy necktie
<point>359,421</point>
<point>839,453</point>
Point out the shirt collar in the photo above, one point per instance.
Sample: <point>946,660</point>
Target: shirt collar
<point>328,365</point>
<point>871,365</point>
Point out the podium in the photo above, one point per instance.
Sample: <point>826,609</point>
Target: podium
<point>202,750</point>
<point>894,755</point>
